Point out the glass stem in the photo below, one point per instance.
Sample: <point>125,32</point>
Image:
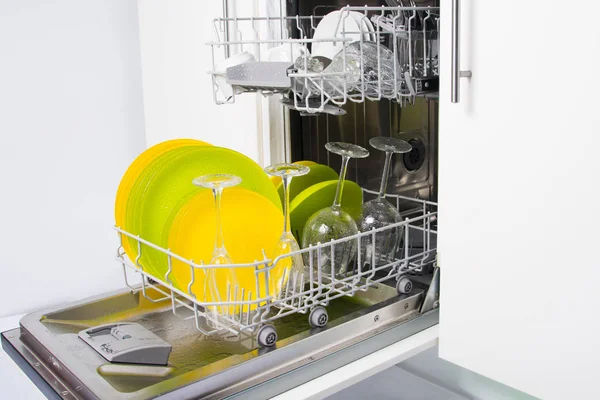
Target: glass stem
<point>340,188</point>
<point>386,174</point>
<point>286,203</point>
<point>219,242</point>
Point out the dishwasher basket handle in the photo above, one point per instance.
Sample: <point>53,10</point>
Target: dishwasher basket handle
<point>456,72</point>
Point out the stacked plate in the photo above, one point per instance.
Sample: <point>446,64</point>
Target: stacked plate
<point>157,201</point>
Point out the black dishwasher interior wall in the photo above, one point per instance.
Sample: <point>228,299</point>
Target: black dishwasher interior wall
<point>413,174</point>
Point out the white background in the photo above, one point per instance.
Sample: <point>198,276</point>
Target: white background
<point>71,120</point>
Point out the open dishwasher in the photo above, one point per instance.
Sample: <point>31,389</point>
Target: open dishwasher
<point>152,340</point>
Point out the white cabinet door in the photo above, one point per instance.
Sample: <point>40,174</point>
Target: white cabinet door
<point>519,193</point>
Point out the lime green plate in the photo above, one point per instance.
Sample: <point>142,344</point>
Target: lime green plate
<point>138,167</point>
<point>320,196</point>
<point>318,173</point>
<point>138,190</point>
<point>170,187</point>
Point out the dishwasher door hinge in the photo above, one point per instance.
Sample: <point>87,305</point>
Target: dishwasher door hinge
<point>432,297</point>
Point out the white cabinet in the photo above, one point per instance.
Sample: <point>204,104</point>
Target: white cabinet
<point>518,195</point>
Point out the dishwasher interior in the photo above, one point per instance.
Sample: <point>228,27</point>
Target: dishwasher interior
<point>367,309</point>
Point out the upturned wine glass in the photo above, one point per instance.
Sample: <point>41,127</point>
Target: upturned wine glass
<point>333,222</point>
<point>217,314</point>
<point>378,213</point>
<point>291,281</point>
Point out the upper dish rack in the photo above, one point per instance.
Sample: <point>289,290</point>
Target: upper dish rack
<point>377,53</point>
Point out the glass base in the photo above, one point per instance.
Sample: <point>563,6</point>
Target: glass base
<point>379,213</point>
<point>329,224</point>
<point>288,274</point>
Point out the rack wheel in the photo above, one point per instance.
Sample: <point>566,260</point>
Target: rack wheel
<point>404,285</point>
<point>318,317</point>
<point>266,336</point>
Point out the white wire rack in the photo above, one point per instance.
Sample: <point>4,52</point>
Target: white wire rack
<point>243,311</point>
<point>398,60</point>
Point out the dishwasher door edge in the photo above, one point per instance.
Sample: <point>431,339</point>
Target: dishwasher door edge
<point>319,367</point>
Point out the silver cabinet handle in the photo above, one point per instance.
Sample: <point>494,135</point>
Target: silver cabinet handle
<point>456,72</point>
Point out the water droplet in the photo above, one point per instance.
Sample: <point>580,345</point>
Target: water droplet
<point>65,393</point>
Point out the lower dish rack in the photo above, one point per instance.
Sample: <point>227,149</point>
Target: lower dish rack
<point>244,312</point>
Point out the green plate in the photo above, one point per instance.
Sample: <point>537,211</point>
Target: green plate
<point>170,186</point>
<point>137,167</point>
<point>319,196</point>
<point>138,190</point>
<point>318,173</point>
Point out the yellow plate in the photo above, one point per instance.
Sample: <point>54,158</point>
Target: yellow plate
<point>318,173</point>
<point>277,179</point>
<point>139,191</point>
<point>250,223</point>
<point>170,187</point>
<point>319,196</point>
<point>135,169</point>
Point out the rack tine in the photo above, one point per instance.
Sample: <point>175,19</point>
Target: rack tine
<point>359,261</point>
<point>169,269</point>
<point>311,268</point>
<point>120,249</point>
<point>332,261</point>
<point>193,272</point>
<point>241,308</point>
<point>301,286</point>
<point>319,265</point>
<point>249,308</point>
<point>137,259</point>
<point>286,294</point>
<point>131,288</point>
<point>173,308</point>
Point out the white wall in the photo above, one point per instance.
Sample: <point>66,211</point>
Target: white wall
<point>71,120</point>
<point>177,89</point>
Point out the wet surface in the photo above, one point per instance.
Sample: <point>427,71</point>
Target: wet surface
<point>192,350</point>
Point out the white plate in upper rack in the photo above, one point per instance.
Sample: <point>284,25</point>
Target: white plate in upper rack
<point>353,23</point>
<point>366,25</point>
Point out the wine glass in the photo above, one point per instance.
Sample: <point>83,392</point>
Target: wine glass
<point>333,222</point>
<point>218,182</point>
<point>292,280</point>
<point>378,212</point>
